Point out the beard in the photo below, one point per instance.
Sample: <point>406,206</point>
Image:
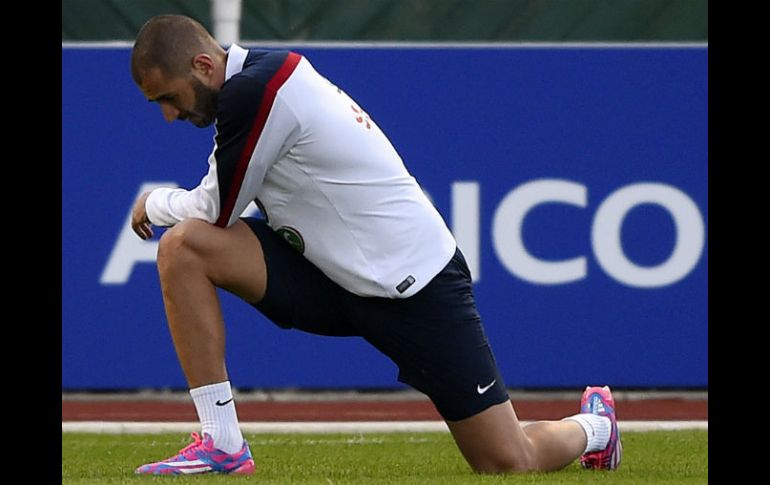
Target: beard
<point>205,108</point>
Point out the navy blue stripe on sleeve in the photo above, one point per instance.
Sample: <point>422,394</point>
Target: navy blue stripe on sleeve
<point>241,100</point>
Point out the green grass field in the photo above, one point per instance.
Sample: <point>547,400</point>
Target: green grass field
<point>659,457</point>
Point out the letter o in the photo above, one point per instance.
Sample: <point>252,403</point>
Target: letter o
<point>606,235</point>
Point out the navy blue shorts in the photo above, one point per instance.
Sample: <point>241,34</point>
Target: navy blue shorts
<point>435,337</point>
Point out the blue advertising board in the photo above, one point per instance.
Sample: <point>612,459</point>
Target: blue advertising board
<point>574,178</point>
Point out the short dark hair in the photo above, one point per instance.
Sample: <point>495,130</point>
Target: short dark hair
<point>169,42</point>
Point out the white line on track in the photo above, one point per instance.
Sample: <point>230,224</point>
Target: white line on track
<point>119,427</point>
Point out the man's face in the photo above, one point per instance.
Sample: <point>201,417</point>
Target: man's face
<point>180,98</point>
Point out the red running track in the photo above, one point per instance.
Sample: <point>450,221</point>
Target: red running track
<point>408,410</point>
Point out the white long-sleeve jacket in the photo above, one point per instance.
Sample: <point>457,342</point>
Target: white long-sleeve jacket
<point>322,172</point>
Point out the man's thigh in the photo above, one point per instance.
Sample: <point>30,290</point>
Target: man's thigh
<point>231,257</point>
<point>437,339</point>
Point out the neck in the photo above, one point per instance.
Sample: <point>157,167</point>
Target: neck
<point>218,76</point>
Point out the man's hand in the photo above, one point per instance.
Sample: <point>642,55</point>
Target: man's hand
<point>139,221</point>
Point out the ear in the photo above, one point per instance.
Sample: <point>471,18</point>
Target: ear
<point>203,63</point>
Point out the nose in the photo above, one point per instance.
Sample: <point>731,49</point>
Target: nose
<point>170,113</point>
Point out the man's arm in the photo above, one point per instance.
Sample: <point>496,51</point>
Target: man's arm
<point>167,207</point>
<point>255,127</point>
<point>139,221</point>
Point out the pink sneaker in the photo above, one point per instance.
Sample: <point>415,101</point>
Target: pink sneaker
<point>598,400</point>
<point>201,457</point>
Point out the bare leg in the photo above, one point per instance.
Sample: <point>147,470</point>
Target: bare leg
<point>194,258</point>
<point>494,441</point>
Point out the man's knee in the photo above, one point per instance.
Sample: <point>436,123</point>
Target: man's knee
<point>493,441</point>
<point>180,243</point>
<point>502,462</point>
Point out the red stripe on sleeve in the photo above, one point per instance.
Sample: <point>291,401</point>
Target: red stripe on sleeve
<point>271,89</point>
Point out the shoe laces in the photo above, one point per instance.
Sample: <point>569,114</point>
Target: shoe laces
<point>189,451</point>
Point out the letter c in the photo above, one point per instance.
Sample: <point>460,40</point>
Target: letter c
<point>507,226</point>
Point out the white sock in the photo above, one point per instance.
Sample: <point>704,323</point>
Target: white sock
<point>216,412</point>
<point>597,429</point>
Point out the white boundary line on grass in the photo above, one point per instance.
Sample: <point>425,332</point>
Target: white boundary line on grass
<point>122,427</point>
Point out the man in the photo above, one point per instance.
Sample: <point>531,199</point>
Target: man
<point>349,245</point>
